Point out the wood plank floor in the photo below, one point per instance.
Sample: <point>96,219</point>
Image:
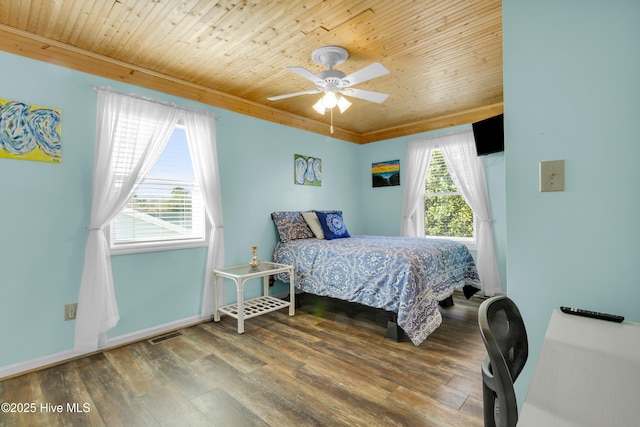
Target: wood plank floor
<point>329,365</point>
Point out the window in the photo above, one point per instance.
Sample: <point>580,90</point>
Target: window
<point>167,210</point>
<point>446,212</point>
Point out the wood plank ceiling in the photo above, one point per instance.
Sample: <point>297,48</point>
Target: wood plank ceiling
<point>444,56</point>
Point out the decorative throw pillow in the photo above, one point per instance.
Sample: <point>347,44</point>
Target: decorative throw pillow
<point>291,226</point>
<point>314,224</point>
<point>332,225</point>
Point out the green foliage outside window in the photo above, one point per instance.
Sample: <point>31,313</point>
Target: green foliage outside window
<point>446,212</point>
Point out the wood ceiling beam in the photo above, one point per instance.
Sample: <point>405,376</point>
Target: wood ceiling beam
<point>26,44</point>
<point>434,123</point>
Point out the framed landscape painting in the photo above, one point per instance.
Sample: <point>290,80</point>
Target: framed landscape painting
<point>385,174</point>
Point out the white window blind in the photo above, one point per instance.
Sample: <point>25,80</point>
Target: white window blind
<point>446,212</point>
<point>167,210</point>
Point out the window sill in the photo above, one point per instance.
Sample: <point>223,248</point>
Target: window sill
<point>134,248</point>
<point>469,243</point>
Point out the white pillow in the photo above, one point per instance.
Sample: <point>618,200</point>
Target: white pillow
<point>314,224</point>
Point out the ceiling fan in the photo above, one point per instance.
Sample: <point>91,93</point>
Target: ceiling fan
<point>335,83</point>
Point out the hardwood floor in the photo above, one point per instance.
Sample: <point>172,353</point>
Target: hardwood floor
<point>329,365</point>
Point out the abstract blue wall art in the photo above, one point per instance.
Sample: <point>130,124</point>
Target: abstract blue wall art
<point>30,132</point>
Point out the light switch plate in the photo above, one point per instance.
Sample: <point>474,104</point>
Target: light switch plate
<point>552,175</point>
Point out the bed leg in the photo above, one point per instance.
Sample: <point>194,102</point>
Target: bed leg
<point>447,302</point>
<point>394,332</point>
<point>299,298</point>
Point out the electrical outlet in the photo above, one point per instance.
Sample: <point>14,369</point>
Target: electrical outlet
<point>70,311</point>
<point>552,175</point>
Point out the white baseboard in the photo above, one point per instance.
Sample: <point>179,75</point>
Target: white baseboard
<point>33,364</point>
<point>156,330</point>
<point>64,356</point>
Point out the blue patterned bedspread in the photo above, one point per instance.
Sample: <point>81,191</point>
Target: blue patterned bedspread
<point>406,275</point>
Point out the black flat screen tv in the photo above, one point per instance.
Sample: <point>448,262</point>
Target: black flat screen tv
<point>489,135</point>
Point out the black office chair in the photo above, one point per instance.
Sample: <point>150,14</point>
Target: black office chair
<point>505,338</point>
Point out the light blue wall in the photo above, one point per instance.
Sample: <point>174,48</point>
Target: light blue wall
<point>572,92</point>
<point>45,208</point>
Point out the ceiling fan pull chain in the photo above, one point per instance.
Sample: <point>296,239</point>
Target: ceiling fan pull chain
<point>331,128</point>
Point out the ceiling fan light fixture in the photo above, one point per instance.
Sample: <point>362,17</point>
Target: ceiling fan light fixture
<point>329,99</point>
<point>319,106</point>
<point>343,104</point>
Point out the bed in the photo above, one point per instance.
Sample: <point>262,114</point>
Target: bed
<point>404,275</point>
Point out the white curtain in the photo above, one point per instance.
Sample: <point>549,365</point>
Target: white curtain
<point>116,174</point>
<point>416,166</point>
<point>466,170</point>
<point>201,135</point>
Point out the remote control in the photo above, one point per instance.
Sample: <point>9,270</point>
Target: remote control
<point>593,314</point>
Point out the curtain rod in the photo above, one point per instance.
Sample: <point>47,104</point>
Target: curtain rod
<point>441,135</point>
<point>155,100</point>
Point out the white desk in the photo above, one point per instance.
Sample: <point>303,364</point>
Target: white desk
<point>588,374</point>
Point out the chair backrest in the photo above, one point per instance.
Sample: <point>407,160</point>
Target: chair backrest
<point>505,337</point>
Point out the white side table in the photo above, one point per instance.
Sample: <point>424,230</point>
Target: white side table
<point>242,309</point>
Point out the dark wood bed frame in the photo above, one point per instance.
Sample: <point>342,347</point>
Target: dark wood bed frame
<point>394,332</point>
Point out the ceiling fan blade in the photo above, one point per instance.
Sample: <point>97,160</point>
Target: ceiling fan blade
<point>303,72</point>
<point>290,95</point>
<point>367,95</point>
<point>367,73</point>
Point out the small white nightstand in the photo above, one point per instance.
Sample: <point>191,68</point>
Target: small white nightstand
<point>242,309</point>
